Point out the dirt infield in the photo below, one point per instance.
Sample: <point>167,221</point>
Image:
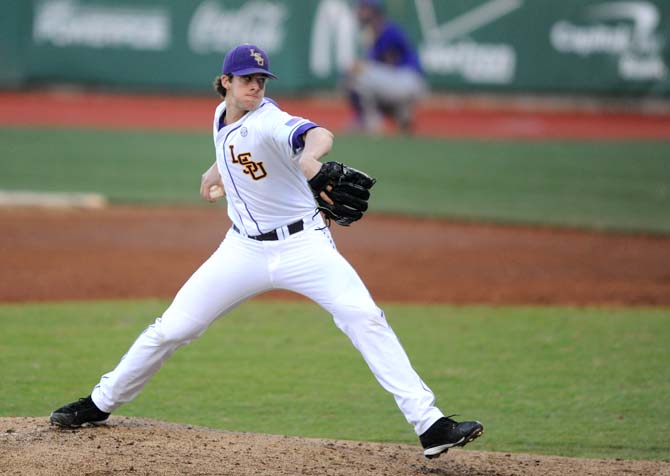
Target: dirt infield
<point>127,252</point>
<point>128,446</point>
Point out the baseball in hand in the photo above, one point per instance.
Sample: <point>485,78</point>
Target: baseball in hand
<point>216,191</point>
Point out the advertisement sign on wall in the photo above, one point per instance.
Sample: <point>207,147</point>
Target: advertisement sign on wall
<point>582,46</point>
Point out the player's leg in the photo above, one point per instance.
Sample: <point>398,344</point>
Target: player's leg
<point>363,97</point>
<point>319,272</point>
<point>396,89</point>
<point>215,288</point>
<point>327,278</point>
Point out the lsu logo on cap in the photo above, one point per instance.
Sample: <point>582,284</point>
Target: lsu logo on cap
<point>257,56</point>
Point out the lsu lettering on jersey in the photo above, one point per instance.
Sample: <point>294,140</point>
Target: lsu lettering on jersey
<point>258,157</point>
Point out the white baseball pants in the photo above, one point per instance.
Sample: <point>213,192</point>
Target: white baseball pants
<point>307,263</point>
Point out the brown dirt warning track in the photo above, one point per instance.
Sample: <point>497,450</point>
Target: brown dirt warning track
<point>438,117</point>
<point>134,252</point>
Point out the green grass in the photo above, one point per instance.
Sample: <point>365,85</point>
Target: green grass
<point>617,185</point>
<point>127,167</point>
<point>622,185</point>
<point>567,381</point>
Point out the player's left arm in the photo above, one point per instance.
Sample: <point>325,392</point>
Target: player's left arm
<point>318,143</point>
<point>341,192</point>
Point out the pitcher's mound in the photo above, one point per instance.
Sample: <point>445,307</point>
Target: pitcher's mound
<point>131,446</point>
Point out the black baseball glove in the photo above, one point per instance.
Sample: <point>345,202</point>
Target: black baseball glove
<point>348,188</point>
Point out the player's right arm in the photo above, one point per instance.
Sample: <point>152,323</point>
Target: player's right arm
<point>301,139</point>
<point>210,178</point>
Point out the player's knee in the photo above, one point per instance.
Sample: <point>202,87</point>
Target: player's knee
<point>177,330</point>
<point>357,316</point>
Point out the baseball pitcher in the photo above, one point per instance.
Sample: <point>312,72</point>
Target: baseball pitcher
<point>268,166</point>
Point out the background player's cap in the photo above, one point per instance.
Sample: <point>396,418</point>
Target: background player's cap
<point>247,59</point>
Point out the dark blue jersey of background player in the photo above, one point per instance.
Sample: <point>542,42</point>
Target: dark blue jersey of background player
<point>392,47</point>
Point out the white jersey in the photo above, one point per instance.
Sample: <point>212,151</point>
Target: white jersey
<point>258,157</point>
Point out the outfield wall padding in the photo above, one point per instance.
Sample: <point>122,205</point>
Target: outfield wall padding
<point>601,47</point>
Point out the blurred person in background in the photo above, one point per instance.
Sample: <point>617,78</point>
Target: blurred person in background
<point>389,80</point>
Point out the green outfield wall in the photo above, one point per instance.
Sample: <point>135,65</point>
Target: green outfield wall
<point>601,47</point>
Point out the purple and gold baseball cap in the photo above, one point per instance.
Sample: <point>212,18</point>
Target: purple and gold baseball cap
<point>247,59</point>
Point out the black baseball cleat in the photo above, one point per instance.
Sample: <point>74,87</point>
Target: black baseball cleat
<point>446,433</point>
<point>77,413</point>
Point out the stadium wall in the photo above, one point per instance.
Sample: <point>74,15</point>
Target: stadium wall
<point>596,47</point>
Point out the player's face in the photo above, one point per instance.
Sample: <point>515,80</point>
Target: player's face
<point>246,92</point>
<point>366,15</point>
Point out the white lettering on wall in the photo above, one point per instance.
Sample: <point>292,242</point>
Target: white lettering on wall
<point>448,48</point>
<point>64,23</point>
<point>215,29</point>
<point>626,29</point>
<point>333,46</point>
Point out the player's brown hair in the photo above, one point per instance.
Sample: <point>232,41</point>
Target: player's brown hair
<point>218,87</point>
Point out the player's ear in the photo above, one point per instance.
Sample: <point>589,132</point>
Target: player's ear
<point>218,87</point>
<point>226,81</point>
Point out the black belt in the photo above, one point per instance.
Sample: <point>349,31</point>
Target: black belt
<point>293,228</point>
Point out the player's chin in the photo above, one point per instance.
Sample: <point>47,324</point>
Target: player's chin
<point>253,102</point>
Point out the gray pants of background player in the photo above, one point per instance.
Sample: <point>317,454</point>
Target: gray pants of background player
<point>378,85</point>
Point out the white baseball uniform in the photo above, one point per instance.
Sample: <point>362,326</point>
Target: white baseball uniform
<point>269,197</point>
